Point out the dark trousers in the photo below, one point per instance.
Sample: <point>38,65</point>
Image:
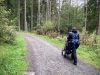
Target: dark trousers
<point>73,55</point>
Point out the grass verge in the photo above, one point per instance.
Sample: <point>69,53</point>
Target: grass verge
<point>84,52</point>
<point>89,56</point>
<point>12,57</point>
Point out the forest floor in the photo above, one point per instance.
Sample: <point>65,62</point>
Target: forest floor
<point>45,59</point>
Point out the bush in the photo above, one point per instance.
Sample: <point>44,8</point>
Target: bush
<point>53,35</point>
<point>92,41</point>
<point>7,33</point>
<point>96,46</point>
<point>39,31</point>
<point>11,57</point>
<point>48,26</point>
<point>37,27</point>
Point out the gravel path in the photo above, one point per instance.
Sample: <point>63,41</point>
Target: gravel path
<point>45,59</point>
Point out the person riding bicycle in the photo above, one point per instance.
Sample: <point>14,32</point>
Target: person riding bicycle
<point>73,42</point>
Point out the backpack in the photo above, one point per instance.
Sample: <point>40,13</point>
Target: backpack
<point>75,40</point>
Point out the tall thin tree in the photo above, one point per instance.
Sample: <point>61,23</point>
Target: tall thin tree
<point>85,1</point>
<point>31,15</point>
<point>25,23</point>
<point>59,17</point>
<point>50,10</point>
<point>19,15</point>
<point>38,15</point>
<point>69,12</point>
<point>99,18</point>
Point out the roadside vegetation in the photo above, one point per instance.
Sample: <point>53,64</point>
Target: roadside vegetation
<point>12,46</point>
<point>12,57</point>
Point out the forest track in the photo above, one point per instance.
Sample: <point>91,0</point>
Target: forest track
<point>45,59</point>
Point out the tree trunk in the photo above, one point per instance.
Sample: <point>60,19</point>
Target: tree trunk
<point>99,22</point>
<point>22,26</point>
<point>48,10</point>
<point>38,12</point>
<point>32,15</point>
<point>25,23</point>
<point>46,16</point>
<point>59,17</point>
<point>85,14</point>
<point>18,15</point>
<point>69,12</point>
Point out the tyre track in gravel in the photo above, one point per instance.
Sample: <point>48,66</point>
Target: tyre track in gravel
<point>45,59</point>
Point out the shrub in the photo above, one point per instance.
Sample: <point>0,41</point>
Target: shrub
<point>37,27</point>
<point>48,25</point>
<point>39,31</point>
<point>54,35</point>
<point>7,33</point>
<point>92,41</point>
<point>11,57</point>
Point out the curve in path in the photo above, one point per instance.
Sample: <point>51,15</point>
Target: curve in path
<point>45,59</point>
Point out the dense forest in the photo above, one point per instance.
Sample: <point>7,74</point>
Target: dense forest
<point>52,18</point>
<point>51,15</point>
<point>48,17</point>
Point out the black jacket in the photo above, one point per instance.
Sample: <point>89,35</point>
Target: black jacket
<point>73,37</point>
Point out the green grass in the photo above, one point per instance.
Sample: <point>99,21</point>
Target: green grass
<point>83,52</point>
<point>89,56</point>
<point>12,57</point>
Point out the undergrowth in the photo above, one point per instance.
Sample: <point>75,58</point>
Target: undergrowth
<point>12,57</point>
<point>89,55</point>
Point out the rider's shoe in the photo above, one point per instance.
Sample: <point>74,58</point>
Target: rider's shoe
<point>75,63</point>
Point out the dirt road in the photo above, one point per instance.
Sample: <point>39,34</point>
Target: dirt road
<point>45,59</point>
